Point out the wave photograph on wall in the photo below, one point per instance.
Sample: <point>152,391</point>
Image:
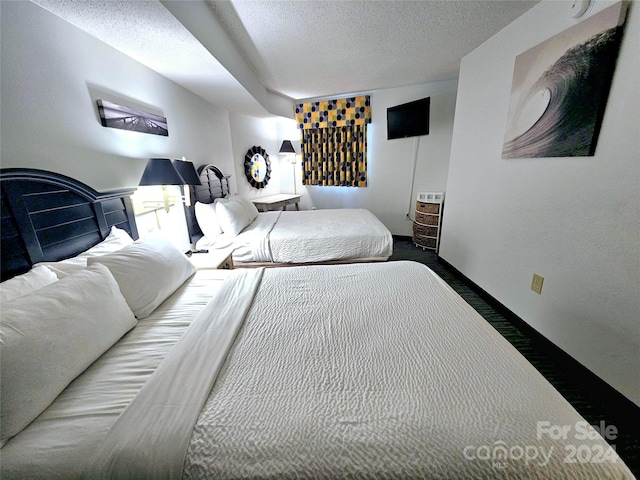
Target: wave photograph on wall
<point>560,88</point>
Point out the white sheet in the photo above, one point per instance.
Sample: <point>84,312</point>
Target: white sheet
<point>58,442</point>
<point>250,245</point>
<point>165,410</point>
<point>309,236</point>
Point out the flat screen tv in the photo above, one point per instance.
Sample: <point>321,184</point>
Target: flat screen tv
<point>409,119</point>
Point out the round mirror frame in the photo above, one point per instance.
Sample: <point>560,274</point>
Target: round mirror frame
<point>257,177</point>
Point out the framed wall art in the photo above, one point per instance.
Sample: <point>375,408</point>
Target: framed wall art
<point>560,88</point>
<point>125,118</point>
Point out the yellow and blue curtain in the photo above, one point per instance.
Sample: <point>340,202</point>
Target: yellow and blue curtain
<point>334,141</point>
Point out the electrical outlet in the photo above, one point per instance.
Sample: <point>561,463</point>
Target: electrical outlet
<point>536,283</point>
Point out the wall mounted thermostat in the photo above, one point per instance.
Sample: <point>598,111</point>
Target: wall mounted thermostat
<point>580,7</point>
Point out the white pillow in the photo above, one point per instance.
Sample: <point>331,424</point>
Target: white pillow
<point>147,271</point>
<point>29,282</point>
<point>50,338</point>
<point>207,220</point>
<point>232,216</point>
<point>116,240</point>
<point>249,208</point>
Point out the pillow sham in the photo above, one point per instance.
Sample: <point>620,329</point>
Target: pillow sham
<point>27,283</point>
<point>147,271</point>
<point>116,240</point>
<point>232,216</point>
<point>207,220</point>
<point>249,208</point>
<point>50,338</point>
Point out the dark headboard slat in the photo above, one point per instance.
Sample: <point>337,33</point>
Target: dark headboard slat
<point>15,192</point>
<point>44,219</point>
<point>46,201</point>
<point>59,250</point>
<point>48,217</point>
<point>13,254</point>
<point>86,228</point>
<point>215,184</point>
<point>116,218</point>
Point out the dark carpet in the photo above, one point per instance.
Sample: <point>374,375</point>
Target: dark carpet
<point>573,383</point>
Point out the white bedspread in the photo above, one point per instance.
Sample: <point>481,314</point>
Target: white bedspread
<point>309,236</point>
<point>312,236</point>
<point>387,373</point>
<point>365,370</point>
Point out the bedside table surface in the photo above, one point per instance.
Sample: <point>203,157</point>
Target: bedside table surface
<point>215,258</point>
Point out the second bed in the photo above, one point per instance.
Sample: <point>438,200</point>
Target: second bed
<point>282,237</point>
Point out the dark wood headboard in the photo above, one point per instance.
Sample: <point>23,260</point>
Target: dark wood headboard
<point>215,184</point>
<point>48,217</point>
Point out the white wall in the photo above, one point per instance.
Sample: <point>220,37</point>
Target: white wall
<point>572,220</point>
<point>52,75</point>
<point>391,189</point>
<point>247,132</point>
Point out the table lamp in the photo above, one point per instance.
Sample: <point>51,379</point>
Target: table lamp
<point>160,171</point>
<point>287,149</point>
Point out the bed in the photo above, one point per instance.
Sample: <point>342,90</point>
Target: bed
<point>218,220</point>
<point>367,370</point>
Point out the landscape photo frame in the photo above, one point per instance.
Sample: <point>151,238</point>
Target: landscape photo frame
<point>125,118</point>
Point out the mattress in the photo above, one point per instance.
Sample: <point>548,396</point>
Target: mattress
<point>308,236</point>
<point>364,370</point>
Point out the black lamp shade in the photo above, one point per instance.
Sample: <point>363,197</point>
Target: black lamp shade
<point>286,147</point>
<point>160,171</point>
<point>187,171</point>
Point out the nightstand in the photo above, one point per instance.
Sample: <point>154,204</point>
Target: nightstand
<point>213,259</point>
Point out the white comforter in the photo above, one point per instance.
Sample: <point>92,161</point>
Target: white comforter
<point>309,236</point>
<point>369,371</point>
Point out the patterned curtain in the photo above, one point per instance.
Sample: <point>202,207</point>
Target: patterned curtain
<point>334,141</point>
<point>335,156</point>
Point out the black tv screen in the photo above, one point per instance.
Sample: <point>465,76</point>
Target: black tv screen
<point>409,119</point>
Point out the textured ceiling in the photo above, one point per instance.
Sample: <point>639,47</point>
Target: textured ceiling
<point>147,32</point>
<point>315,48</point>
<point>300,49</point>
